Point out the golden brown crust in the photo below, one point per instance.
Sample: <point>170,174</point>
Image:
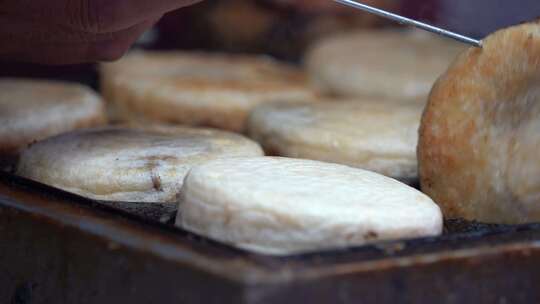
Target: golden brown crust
<point>479,137</point>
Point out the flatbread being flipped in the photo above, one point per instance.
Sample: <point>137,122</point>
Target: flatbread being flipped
<point>32,110</point>
<point>285,206</point>
<point>371,134</point>
<point>381,63</point>
<point>203,89</point>
<point>479,148</point>
<point>121,164</point>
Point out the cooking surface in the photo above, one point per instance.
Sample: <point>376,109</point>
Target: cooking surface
<point>67,247</point>
<point>59,248</point>
<point>457,233</point>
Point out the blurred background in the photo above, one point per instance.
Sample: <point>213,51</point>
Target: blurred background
<point>285,28</point>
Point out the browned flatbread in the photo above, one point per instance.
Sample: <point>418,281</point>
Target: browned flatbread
<point>372,134</point>
<point>199,89</point>
<point>479,149</point>
<point>136,164</point>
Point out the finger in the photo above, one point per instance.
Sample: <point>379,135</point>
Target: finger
<point>114,45</point>
<point>67,47</point>
<point>95,16</point>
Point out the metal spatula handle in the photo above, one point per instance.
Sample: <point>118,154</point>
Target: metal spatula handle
<point>408,21</point>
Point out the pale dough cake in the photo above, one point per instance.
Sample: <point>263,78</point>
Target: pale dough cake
<point>203,89</point>
<point>32,110</point>
<point>380,63</point>
<point>128,164</point>
<point>479,148</point>
<point>284,206</point>
<point>371,134</point>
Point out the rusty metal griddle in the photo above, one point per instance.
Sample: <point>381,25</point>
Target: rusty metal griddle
<point>56,247</point>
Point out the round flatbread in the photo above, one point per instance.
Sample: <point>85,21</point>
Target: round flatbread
<point>285,206</point>
<point>381,63</point>
<point>32,110</point>
<point>121,164</point>
<point>480,135</point>
<point>371,134</point>
<point>202,89</point>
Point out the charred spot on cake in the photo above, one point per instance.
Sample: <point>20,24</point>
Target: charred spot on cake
<point>153,162</point>
<point>156,181</point>
<point>227,216</point>
<point>371,235</point>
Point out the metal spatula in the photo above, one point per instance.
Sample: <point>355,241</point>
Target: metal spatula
<point>408,21</point>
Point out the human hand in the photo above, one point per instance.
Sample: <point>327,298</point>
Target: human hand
<point>76,31</point>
